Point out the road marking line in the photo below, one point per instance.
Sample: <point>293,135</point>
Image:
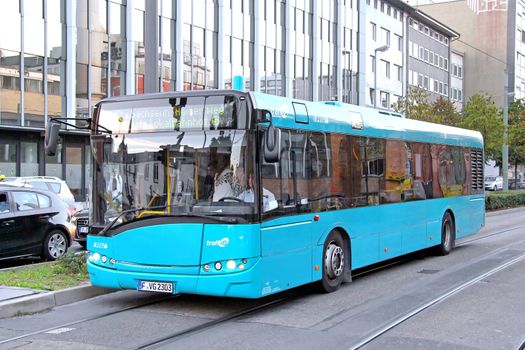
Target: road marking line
<point>436,300</point>
<point>60,330</point>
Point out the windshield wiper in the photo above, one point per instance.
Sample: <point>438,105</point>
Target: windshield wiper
<point>228,220</point>
<point>127,211</point>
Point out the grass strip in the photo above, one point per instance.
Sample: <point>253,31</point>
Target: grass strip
<point>68,271</point>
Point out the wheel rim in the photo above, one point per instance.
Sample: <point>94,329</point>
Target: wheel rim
<point>56,245</point>
<point>447,235</point>
<point>334,260</point>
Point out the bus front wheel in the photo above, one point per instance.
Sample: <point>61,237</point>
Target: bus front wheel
<point>448,235</point>
<point>334,262</point>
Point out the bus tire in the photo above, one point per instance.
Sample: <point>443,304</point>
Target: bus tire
<point>334,262</point>
<point>448,235</point>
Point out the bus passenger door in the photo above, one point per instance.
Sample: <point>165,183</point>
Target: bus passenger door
<point>286,230</point>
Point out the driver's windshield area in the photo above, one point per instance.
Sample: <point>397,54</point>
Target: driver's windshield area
<point>184,174</point>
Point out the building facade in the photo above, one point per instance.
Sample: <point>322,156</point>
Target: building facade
<point>429,55</point>
<point>493,42</point>
<point>58,58</point>
<point>456,79</point>
<point>385,61</point>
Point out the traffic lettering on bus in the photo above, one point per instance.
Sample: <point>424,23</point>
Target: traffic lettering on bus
<point>245,194</point>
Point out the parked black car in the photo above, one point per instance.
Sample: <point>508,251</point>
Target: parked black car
<point>81,220</point>
<point>33,222</point>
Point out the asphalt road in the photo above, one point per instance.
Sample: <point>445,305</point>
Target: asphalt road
<point>484,309</point>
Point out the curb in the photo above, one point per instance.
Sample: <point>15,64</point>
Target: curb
<point>45,301</point>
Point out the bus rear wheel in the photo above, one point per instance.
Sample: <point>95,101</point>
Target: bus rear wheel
<point>448,235</point>
<point>334,262</point>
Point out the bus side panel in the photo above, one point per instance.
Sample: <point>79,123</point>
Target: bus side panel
<point>286,250</point>
<point>476,213</point>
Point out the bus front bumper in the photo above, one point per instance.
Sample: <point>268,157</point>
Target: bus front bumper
<point>244,284</point>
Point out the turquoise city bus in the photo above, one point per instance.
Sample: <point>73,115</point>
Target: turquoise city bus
<point>240,194</point>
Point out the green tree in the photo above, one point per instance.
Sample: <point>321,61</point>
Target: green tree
<point>480,113</point>
<point>443,111</point>
<point>414,105</point>
<point>517,134</point>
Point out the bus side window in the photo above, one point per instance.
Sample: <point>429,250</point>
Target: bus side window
<point>287,179</point>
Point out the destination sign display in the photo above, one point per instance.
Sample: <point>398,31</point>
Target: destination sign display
<point>171,114</point>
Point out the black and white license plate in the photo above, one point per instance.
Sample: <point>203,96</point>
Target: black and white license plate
<point>151,286</point>
<point>83,229</point>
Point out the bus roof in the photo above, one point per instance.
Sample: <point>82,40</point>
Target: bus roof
<point>351,119</point>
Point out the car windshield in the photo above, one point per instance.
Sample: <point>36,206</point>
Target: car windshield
<point>198,174</point>
<point>490,178</point>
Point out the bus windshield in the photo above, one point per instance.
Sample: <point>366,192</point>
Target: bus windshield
<point>192,174</point>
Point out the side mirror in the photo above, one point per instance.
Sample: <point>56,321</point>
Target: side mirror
<point>272,145</point>
<point>51,138</point>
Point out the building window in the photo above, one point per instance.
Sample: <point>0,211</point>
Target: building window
<point>399,70</point>
<point>399,43</point>
<point>385,99</point>
<point>373,61</point>
<point>374,33</point>
<point>385,33</point>
<point>387,68</point>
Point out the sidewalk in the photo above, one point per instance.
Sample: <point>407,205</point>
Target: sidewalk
<point>22,301</point>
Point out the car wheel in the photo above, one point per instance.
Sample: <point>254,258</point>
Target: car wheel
<point>55,245</point>
<point>334,262</point>
<point>448,235</point>
<point>495,188</point>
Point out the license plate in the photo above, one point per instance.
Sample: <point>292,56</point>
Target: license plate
<point>83,229</point>
<point>160,287</point>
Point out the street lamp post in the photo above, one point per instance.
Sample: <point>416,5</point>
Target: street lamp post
<point>505,148</point>
<point>378,49</point>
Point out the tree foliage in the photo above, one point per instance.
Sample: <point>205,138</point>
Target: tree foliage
<point>480,113</point>
<point>516,133</point>
<point>414,105</point>
<point>443,111</point>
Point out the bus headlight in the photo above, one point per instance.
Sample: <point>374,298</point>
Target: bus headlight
<point>228,266</point>
<point>231,264</point>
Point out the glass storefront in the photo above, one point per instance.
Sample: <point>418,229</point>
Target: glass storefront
<point>74,169</point>
<point>8,158</point>
<point>29,158</point>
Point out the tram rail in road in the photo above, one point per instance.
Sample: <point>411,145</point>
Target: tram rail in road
<point>434,301</point>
